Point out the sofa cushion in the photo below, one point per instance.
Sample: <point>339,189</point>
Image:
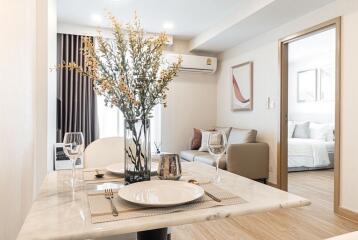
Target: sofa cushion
<point>189,155</point>
<point>242,136</point>
<point>210,160</point>
<point>226,130</point>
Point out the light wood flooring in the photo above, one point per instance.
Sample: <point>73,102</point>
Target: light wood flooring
<point>313,222</point>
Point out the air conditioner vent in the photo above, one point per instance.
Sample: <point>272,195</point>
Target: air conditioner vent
<point>193,63</point>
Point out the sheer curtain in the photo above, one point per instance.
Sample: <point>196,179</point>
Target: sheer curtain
<point>111,122</point>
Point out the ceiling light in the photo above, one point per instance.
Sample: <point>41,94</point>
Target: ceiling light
<point>96,18</point>
<point>168,25</point>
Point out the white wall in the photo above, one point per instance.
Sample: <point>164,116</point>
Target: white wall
<point>314,52</point>
<point>263,50</point>
<point>27,122</point>
<point>17,116</point>
<point>45,89</point>
<point>191,104</point>
<point>349,113</point>
<point>265,85</point>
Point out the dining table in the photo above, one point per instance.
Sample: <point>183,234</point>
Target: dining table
<point>61,212</point>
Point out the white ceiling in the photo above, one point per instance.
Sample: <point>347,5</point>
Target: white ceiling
<point>189,17</point>
<point>210,25</point>
<point>265,17</point>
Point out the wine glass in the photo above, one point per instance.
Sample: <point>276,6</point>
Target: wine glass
<point>217,142</point>
<point>73,147</point>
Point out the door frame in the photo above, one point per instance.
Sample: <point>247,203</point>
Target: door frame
<point>282,161</point>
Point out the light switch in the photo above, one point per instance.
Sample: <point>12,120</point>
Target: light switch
<point>271,104</point>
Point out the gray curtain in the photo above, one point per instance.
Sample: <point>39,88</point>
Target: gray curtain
<point>76,105</point>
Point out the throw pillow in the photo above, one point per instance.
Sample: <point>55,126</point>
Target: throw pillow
<point>302,130</point>
<point>196,141</point>
<point>204,141</point>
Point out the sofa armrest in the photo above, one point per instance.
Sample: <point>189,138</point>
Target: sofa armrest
<point>249,160</point>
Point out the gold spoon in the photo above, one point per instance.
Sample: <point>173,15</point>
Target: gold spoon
<point>193,181</point>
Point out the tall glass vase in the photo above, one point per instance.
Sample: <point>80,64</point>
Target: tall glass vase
<point>137,150</point>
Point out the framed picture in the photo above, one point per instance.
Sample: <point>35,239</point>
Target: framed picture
<point>327,84</point>
<point>307,86</point>
<point>241,87</point>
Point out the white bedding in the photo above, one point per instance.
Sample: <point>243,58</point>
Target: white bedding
<point>311,153</point>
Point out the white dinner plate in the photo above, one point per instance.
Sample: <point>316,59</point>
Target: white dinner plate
<point>161,193</point>
<point>118,168</point>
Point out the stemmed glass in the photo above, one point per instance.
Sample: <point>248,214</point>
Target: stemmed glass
<point>73,147</point>
<point>217,143</point>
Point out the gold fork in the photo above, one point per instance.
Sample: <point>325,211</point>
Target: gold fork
<point>108,193</point>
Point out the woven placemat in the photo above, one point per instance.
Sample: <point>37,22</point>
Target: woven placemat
<point>101,211</point>
<point>89,175</point>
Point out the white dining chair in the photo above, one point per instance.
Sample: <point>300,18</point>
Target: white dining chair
<point>104,151</point>
<point>101,153</point>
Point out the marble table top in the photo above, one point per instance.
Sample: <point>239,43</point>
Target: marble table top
<point>60,213</point>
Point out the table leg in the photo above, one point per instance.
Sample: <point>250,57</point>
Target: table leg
<point>157,234</point>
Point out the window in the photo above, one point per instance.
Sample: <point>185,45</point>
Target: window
<point>111,122</point>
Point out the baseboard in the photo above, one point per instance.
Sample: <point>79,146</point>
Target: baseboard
<point>350,215</point>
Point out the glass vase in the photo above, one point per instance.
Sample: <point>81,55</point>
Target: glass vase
<point>137,150</point>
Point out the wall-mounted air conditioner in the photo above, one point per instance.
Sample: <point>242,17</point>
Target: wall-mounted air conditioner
<point>193,63</point>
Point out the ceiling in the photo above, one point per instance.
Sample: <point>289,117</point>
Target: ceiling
<point>262,18</point>
<point>188,17</point>
<point>210,25</point>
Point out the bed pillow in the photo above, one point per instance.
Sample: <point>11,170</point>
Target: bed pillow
<point>302,130</point>
<point>319,131</point>
<point>330,132</point>
<point>322,131</point>
<point>291,125</point>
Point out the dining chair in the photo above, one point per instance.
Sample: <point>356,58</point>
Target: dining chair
<point>103,152</point>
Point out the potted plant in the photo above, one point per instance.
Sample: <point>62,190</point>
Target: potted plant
<point>130,73</point>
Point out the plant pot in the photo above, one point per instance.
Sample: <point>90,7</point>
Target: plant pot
<point>137,150</point>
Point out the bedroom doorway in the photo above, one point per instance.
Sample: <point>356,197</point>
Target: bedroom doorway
<point>308,162</point>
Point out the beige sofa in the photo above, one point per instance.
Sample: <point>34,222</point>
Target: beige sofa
<point>244,156</point>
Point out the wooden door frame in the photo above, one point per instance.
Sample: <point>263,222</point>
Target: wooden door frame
<point>282,175</point>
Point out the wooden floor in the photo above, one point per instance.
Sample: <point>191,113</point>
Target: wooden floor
<point>313,222</point>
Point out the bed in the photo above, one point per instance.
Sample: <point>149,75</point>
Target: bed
<point>310,154</point>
